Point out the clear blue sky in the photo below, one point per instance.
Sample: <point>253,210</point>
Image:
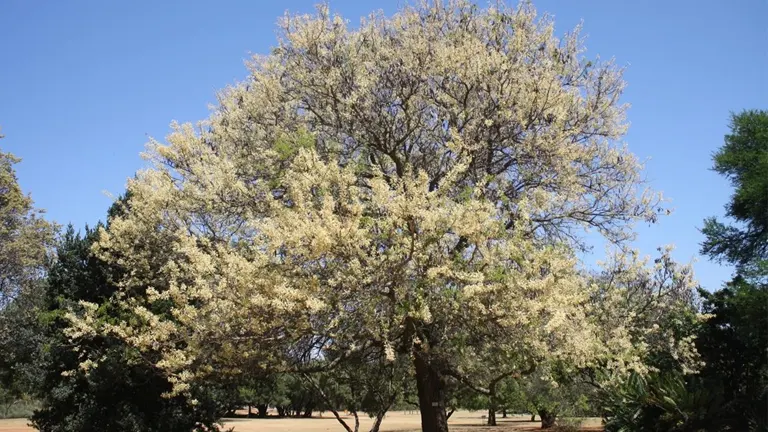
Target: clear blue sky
<point>84,83</point>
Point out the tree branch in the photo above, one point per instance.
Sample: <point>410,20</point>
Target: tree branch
<point>329,403</point>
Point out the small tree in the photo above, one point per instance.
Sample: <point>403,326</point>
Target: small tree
<point>26,241</point>
<point>26,238</point>
<point>553,394</point>
<point>120,393</point>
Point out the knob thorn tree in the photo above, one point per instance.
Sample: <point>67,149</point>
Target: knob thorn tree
<point>416,186</point>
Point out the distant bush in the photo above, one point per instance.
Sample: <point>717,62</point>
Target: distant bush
<point>18,408</point>
<point>568,425</point>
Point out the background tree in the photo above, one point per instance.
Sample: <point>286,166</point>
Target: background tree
<point>636,402</point>
<point>743,160</point>
<point>505,395</point>
<point>364,383</point>
<point>730,392</point>
<point>733,345</point>
<point>261,392</point>
<point>21,354</point>
<point>301,397</point>
<point>733,342</point>
<point>556,394</point>
<point>122,392</point>
<point>26,240</point>
<point>25,237</point>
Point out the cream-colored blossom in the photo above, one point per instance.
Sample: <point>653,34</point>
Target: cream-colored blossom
<point>418,183</point>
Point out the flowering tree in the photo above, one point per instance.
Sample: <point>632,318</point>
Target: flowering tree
<point>653,308</point>
<point>415,187</point>
<point>25,237</point>
<point>26,240</point>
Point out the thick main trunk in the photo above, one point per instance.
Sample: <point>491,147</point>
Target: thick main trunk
<point>492,416</point>
<point>547,419</point>
<point>262,410</point>
<point>249,411</point>
<point>429,384</point>
<point>492,405</point>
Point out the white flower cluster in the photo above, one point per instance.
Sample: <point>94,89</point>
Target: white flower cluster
<point>416,184</point>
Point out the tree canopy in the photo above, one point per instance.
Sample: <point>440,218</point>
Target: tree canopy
<point>26,241</point>
<point>730,390</point>
<point>413,189</point>
<point>123,393</point>
<point>743,159</point>
<point>25,237</point>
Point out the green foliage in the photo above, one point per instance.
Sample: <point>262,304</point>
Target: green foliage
<point>465,398</point>
<point>733,344</point>
<point>11,406</point>
<point>365,383</point>
<point>123,393</point>
<point>21,340</point>
<point>568,425</point>
<point>559,395</point>
<point>25,237</point>
<point>288,145</point>
<point>744,161</point>
<point>26,240</point>
<point>289,393</point>
<point>662,403</point>
<point>727,394</point>
<point>730,393</point>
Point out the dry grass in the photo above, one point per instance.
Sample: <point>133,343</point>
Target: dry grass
<point>461,421</point>
<point>14,425</point>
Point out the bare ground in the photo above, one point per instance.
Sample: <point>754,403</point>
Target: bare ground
<point>397,421</point>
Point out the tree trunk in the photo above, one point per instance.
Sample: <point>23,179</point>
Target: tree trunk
<point>533,417</point>
<point>357,421</point>
<point>492,405</point>
<point>429,384</point>
<point>377,422</point>
<point>249,411</point>
<point>504,413</point>
<point>280,411</point>
<point>491,416</point>
<point>547,419</point>
<point>262,410</point>
<point>309,407</point>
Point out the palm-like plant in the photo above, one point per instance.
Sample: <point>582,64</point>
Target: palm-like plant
<point>662,403</point>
